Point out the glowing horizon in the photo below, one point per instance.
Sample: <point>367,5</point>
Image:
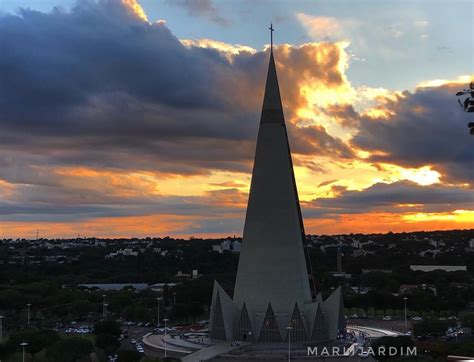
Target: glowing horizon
<point>153,132</point>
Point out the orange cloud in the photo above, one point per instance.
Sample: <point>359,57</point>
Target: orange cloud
<point>384,222</point>
<point>136,9</point>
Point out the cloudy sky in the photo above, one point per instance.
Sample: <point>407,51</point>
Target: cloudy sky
<point>120,118</point>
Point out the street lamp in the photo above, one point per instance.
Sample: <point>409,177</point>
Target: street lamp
<point>289,328</point>
<point>28,314</point>
<point>103,306</point>
<point>105,311</point>
<point>23,345</point>
<point>405,300</point>
<point>158,311</point>
<point>1,329</point>
<point>165,320</point>
<point>174,298</point>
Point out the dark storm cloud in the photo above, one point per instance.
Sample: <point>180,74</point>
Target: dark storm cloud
<point>101,87</point>
<point>426,127</point>
<point>315,140</point>
<point>204,8</point>
<point>46,203</point>
<point>402,196</point>
<point>344,114</point>
<point>97,84</point>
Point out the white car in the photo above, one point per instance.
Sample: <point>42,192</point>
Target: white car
<point>133,341</point>
<point>417,319</point>
<point>387,318</point>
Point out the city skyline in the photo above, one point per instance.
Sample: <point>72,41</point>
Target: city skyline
<point>126,119</point>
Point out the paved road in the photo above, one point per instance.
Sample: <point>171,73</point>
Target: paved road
<point>209,352</point>
<point>133,332</point>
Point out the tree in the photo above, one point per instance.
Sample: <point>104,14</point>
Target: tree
<point>468,321</point>
<point>6,350</point>
<point>401,343</point>
<point>128,356</point>
<point>108,342</point>
<point>69,350</point>
<point>107,327</point>
<point>433,327</point>
<point>37,339</point>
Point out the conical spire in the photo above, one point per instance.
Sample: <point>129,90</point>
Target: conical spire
<point>272,276</point>
<point>272,110</point>
<point>272,264</point>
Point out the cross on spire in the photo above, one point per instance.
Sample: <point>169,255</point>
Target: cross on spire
<point>271,35</point>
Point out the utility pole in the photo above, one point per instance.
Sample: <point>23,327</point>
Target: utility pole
<point>23,345</point>
<point>1,329</point>
<point>289,328</point>
<point>165,320</point>
<point>105,311</point>
<point>405,300</point>
<point>158,311</point>
<point>28,314</point>
<point>103,306</point>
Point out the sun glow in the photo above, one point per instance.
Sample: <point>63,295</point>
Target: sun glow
<point>423,176</point>
<point>462,216</point>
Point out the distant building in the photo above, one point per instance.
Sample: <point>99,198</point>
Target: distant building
<point>356,244</point>
<point>115,286</point>
<point>386,271</point>
<point>471,243</point>
<point>430,268</point>
<point>236,245</point>
<point>182,275</point>
<point>225,245</point>
<point>410,288</point>
<point>193,275</point>
<point>436,243</point>
<point>159,287</point>
<point>122,252</point>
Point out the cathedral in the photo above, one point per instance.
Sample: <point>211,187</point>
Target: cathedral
<point>274,285</point>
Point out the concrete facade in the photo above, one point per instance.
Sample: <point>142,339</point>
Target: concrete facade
<point>273,285</point>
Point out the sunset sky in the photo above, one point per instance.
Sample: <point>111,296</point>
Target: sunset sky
<point>120,118</point>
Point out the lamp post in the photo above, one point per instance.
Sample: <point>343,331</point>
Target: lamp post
<point>158,311</point>
<point>405,300</point>
<point>105,311</point>
<point>289,328</point>
<point>165,320</point>
<point>23,345</point>
<point>1,329</point>
<point>103,307</point>
<point>28,313</point>
<point>174,298</point>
